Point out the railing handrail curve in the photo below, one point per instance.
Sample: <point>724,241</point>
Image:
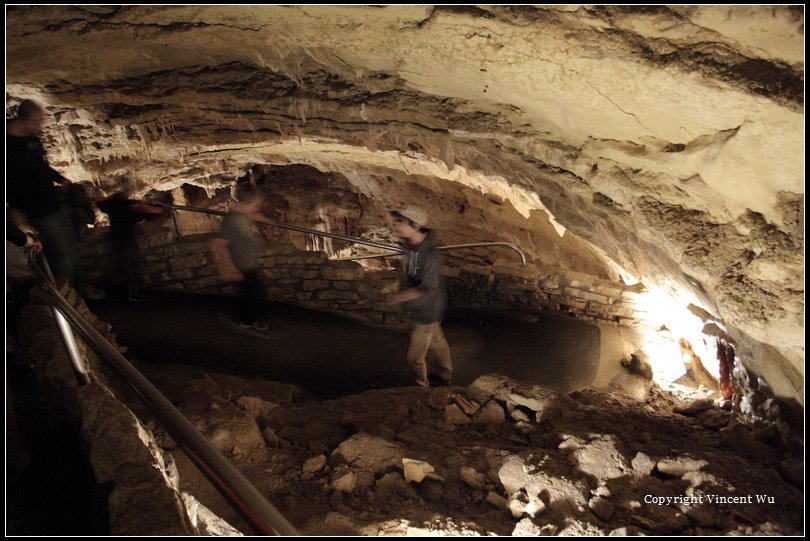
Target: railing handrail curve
<point>396,249</point>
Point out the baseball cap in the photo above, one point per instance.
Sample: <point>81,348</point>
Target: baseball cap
<point>417,215</point>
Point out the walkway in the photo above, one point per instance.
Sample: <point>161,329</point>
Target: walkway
<point>332,356</point>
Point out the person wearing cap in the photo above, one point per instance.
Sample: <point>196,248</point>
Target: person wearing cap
<point>422,296</point>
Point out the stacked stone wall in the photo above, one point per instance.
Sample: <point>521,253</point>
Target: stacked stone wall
<point>309,279</point>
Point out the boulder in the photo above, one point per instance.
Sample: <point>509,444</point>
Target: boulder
<point>490,415</point>
<point>497,500</point>
<point>600,458</point>
<point>343,479</point>
<point>694,407</point>
<point>602,508</point>
<point>368,452</point>
<point>453,415</point>
<point>547,403</point>
<point>367,456</point>
<point>257,408</point>
<point>313,466</point>
<point>417,470</point>
<point>472,478</point>
<point>678,466</point>
<point>642,464</point>
<point>469,407</point>
<point>543,475</point>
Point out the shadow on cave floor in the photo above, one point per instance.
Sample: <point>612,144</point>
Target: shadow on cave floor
<point>52,490</point>
<point>331,356</point>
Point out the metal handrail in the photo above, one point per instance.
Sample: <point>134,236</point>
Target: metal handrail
<point>300,229</point>
<point>449,247</point>
<point>236,489</point>
<point>69,341</point>
<point>397,249</point>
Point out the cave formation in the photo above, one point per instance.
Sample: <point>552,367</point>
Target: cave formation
<point>649,161</point>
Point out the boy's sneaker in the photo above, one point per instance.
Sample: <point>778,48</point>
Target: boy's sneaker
<point>257,325</point>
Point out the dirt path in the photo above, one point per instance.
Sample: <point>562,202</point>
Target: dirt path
<point>331,356</point>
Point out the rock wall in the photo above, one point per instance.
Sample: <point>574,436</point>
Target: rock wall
<point>303,278</point>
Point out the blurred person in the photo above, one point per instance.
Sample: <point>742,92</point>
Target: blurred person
<point>125,214</point>
<point>31,187</point>
<point>423,297</point>
<point>236,252</point>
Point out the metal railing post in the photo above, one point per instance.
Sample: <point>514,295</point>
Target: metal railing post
<point>173,212</point>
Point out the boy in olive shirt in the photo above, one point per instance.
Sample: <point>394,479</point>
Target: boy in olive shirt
<point>236,252</point>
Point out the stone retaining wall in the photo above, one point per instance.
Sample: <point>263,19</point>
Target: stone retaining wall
<point>310,280</point>
<point>302,278</point>
<point>581,296</point>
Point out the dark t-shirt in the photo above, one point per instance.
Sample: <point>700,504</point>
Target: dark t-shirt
<point>421,267</point>
<point>29,179</point>
<point>123,217</point>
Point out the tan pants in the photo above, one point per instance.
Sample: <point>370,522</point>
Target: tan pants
<point>424,338</point>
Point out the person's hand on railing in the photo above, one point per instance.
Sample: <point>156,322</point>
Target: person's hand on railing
<point>32,241</point>
<point>147,208</point>
<point>35,245</point>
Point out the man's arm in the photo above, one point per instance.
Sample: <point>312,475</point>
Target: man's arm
<point>224,261</point>
<point>15,235</point>
<point>22,236</point>
<point>429,285</point>
<point>145,208</point>
<point>406,295</point>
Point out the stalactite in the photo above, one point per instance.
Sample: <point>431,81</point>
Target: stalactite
<point>332,220</point>
<point>143,134</point>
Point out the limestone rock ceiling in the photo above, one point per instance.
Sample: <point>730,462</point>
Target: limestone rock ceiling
<point>666,141</point>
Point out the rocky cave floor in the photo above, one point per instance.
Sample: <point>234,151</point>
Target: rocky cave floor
<point>497,458</point>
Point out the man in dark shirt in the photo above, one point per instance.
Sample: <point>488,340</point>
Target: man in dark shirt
<point>125,213</point>
<point>31,188</point>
